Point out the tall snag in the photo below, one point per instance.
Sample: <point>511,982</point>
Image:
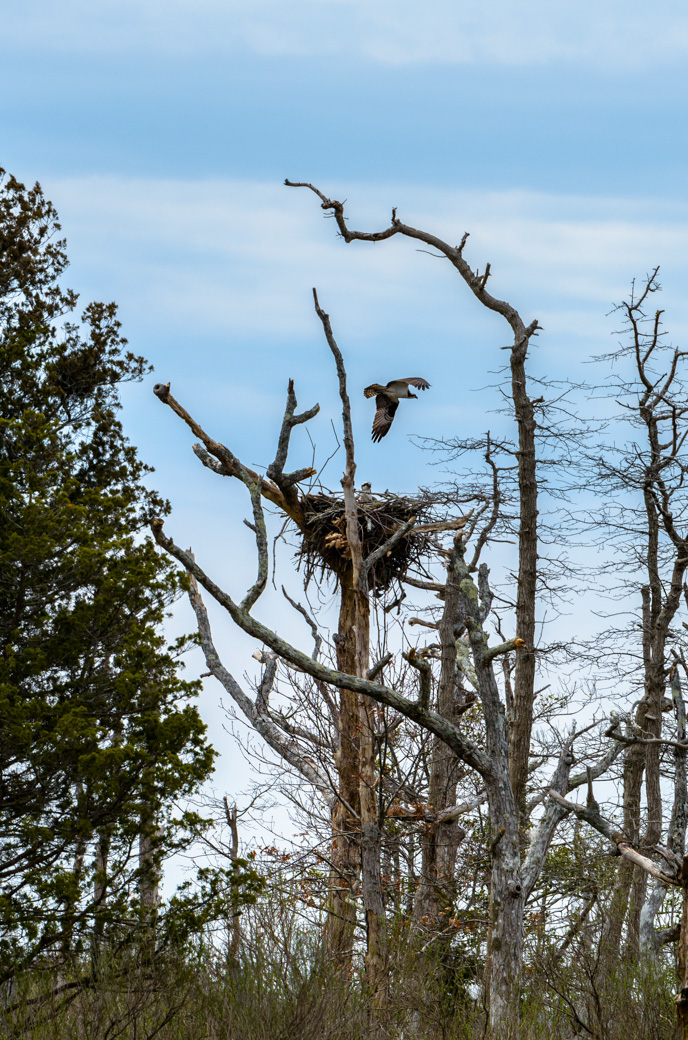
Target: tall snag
<point>359,547</point>
<point>524,679</point>
<point>358,596</point>
<point>500,757</point>
<point>643,482</point>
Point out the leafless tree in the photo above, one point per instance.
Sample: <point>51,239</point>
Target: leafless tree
<point>499,757</point>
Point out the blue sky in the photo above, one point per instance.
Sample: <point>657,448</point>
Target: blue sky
<point>555,133</point>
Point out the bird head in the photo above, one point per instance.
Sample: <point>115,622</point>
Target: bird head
<point>413,395</point>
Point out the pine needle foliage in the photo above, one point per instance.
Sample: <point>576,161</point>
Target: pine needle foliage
<point>100,736</point>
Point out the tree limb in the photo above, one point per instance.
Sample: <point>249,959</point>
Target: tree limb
<point>229,463</point>
<point>465,749</point>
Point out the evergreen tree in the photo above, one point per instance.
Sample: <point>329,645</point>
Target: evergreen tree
<point>99,734</point>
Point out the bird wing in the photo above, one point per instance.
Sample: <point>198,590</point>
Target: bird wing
<point>417,381</point>
<point>386,407</point>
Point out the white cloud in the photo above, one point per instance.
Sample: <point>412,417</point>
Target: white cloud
<point>609,34</point>
<point>214,284</point>
<point>240,257</point>
<point>194,264</point>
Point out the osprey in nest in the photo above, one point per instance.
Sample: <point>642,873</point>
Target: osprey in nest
<point>387,400</point>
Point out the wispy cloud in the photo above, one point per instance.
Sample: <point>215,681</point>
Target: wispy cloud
<point>215,275</point>
<point>241,255</point>
<point>214,283</point>
<point>614,34</point>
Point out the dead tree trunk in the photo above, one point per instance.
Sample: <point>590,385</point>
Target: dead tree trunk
<point>440,842</point>
<point>346,813</point>
<point>655,468</point>
<point>526,588</point>
<point>371,835</point>
<point>503,969</point>
<point>682,995</point>
<point>676,831</point>
<point>234,929</point>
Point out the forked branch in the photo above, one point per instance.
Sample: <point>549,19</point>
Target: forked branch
<point>275,471</point>
<point>443,729</point>
<point>476,281</point>
<point>255,712</point>
<point>221,460</point>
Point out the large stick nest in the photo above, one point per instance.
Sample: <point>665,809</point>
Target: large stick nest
<point>324,547</point>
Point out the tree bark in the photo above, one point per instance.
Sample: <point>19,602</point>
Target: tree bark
<point>503,968</point>
<point>345,855</point>
<point>676,831</point>
<point>521,722</point>
<point>234,943</point>
<point>682,996</point>
<point>437,889</point>
<point>371,835</point>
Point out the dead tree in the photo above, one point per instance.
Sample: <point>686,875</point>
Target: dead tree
<point>524,416</point>
<point>355,629</point>
<point>675,840</point>
<point>234,944</point>
<point>669,868</point>
<point>437,891</point>
<point>512,878</point>
<point>361,557</point>
<point>646,476</point>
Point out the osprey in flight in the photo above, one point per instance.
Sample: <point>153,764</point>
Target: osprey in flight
<point>387,400</point>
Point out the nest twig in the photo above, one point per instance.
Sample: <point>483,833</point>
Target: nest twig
<point>324,548</point>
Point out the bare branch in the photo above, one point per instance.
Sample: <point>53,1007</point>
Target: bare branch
<point>386,548</point>
<point>261,533</point>
<point>614,733</point>
<point>378,666</point>
<point>453,812</point>
<point>454,254</point>
<point>551,818</point>
<point>496,505</point>
<point>275,471</point>
<point>591,814</point>
<point>503,648</point>
<point>429,586</point>
<point>341,375</point>
<point>436,527</point>
<point>630,853</point>
<point>265,686</point>
<point>425,674</point>
<point>590,773</point>
<point>317,638</point>
<point>253,712</point>
<point>229,463</point>
<point>443,729</point>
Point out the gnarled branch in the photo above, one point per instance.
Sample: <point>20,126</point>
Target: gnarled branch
<point>443,729</point>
